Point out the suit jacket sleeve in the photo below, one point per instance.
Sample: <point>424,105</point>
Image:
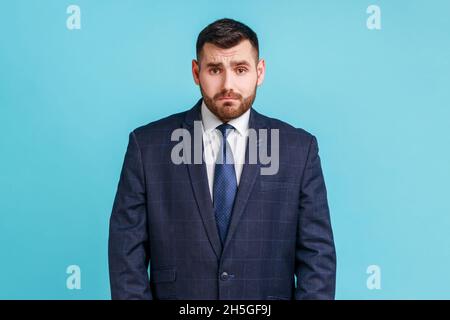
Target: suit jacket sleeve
<point>128,237</point>
<point>315,263</point>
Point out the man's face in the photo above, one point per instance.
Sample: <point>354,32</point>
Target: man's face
<point>228,78</point>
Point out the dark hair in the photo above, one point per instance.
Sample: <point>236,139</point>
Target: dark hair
<point>226,33</point>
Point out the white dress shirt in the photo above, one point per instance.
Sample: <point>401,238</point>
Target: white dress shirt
<point>237,140</point>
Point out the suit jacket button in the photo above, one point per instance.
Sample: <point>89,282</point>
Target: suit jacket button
<point>224,276</point>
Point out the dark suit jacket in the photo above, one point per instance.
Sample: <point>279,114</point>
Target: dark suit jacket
<point>163,216</point>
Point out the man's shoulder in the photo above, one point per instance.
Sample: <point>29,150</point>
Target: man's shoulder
<point>167,125</point>
<point>161,126</point>
<point>286,128</point>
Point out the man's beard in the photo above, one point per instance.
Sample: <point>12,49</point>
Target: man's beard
<point>228,111</point>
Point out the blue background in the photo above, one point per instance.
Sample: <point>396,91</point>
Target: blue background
<point>377,100</point>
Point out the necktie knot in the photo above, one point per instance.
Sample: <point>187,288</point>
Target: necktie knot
<point>225,129</point>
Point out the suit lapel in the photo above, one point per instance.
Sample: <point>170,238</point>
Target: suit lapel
<point>199,182</point>
<point>249,175</point>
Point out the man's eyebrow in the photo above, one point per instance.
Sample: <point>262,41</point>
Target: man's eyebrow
<point>214,65</point>
<point>240,63</point>
<point>233,63</point>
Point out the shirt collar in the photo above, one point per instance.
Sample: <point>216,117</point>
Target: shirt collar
<point>211,121</point>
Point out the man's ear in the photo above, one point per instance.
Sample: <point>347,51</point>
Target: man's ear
<point>261,71</point>
<point>196,71</point>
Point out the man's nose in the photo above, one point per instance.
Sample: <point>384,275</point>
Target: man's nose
<point>228,80</point>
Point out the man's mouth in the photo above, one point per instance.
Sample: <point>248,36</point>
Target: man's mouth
<point>227,98</point>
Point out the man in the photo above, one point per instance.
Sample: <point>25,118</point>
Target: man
<point>221,227</point>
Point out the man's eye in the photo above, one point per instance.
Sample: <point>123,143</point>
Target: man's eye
<point>214,70</point>
<point>241,70</point>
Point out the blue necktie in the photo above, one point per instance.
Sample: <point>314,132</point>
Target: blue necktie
<point>225,183</point>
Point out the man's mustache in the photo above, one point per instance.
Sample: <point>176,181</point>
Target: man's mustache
<point>227,95</point>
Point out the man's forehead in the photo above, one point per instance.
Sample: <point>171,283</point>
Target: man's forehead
<point>241,52</point>
<point>226,59</point>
